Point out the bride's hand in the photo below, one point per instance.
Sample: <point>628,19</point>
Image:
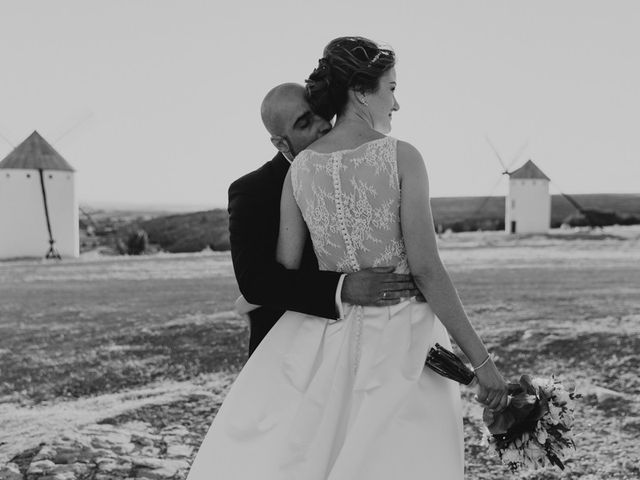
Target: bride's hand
<point>492,389</point>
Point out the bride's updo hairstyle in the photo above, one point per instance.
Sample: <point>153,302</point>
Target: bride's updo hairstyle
<point>349,63</point>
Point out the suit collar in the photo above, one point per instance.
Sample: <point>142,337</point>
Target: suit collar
<point>281,162</point>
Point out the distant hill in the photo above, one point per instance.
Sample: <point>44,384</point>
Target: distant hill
<point>189,232</point>
<point>193,232</point>
<point>465,211</point>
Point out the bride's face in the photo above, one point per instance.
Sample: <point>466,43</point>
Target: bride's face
<point>382,103</point>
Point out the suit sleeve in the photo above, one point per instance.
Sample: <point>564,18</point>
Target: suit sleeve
<point>262,280</point>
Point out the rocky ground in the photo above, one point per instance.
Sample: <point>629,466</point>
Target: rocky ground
<point>158,442</point>
<point>150,433</point>
<point>114,368</point>
<point>104,451</point>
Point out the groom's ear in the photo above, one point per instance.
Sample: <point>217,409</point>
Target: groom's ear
<point>281,144</point>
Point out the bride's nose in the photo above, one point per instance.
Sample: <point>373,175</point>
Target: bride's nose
<point>396,105</point>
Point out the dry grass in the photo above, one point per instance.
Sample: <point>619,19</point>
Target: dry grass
<point>153,338</point>
<point>89,327</point>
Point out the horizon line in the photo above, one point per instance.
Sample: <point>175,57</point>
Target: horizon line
<point>184,206</point>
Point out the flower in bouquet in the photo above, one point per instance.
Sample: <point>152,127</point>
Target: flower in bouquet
<point>535,429</point>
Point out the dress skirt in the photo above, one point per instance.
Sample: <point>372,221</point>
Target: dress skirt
<point>344,400</point>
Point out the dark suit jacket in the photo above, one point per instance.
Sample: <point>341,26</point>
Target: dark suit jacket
<point>254,221</point>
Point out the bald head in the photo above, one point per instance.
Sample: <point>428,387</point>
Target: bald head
<point>278,105</point>
<point>287,116</point>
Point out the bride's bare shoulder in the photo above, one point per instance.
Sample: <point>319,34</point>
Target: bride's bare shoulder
<point>409,158</point>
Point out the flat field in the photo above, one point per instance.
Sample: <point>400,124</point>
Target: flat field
<point>109,340</point>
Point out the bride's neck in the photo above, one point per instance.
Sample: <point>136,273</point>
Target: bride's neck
<point>353,117</point>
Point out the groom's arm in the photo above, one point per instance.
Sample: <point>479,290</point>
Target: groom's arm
<point>261,279</point>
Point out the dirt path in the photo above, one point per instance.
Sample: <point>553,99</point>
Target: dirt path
<point>26,427</point>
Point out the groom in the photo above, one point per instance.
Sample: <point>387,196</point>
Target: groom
<point>254,220</point>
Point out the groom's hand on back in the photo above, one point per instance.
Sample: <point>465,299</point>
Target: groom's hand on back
<point>378,287</point>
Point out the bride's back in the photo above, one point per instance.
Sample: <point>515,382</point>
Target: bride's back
<point>350,201</point>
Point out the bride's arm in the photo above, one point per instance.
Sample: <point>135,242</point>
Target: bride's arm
<point>431,276</point>
<point>293,232</point>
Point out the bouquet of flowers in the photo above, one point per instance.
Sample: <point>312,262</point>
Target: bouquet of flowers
<point>535,428</point>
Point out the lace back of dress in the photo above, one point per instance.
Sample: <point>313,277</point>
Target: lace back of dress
<point>350,201</point>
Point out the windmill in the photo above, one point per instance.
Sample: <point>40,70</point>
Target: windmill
<point>37,186</point>
<point>527,205</point>
<point>593,217</point>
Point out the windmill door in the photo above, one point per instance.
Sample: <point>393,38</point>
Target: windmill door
<point>513,227</point>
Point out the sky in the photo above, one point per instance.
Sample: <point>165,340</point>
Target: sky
<point>156,102</point>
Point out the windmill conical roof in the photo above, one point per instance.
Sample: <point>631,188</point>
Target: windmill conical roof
<point>528,170</point>
<point>35,153</point>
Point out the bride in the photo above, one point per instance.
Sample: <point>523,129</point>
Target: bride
<point>351,399</point>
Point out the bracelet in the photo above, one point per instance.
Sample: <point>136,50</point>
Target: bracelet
<point>484,362</point>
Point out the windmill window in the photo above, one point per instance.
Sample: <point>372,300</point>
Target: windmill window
<point>8,175</point>
<point>50,176</point>
<point>513,204</point>
<point>28,175</point>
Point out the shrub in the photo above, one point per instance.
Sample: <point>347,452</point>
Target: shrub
<point>136,243</point>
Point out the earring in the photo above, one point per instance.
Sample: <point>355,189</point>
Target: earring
<point>362,100</point>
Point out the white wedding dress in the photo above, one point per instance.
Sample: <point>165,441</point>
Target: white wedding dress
<point>351,399</point>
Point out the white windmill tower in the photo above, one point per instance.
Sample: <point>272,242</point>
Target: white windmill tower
<point>38,204</point>
<point>528,204</point>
